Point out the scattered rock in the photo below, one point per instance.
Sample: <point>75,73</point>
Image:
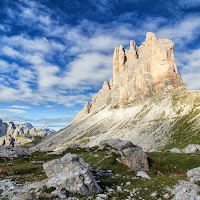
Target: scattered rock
<point>191,148</point>
<point>119,189</point>
<point>176,150</point>
<point>103,196</point>
<point>154,194</point>
<point>185,190</point>
<point>166,196</point>
<point>22,151</point>
<point>143,174</point>
<point>72,173</point>
<point>128,183</point>
<point>87,149</point>
<point>72,146</point>
<point>194,174</point>
<point>14,152</point>
<point>55,153</point>
<point>26,196</point>
<point>154,150</point>
<point>37,162</point>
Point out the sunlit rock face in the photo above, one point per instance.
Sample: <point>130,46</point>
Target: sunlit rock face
<point>138,73</point>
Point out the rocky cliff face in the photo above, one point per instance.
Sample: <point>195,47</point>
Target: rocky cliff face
<point>138,73</point>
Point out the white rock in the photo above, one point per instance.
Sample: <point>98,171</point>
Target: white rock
<point>191,148</point>
<point>154,194</point>
<point>175,150</point>
<point>119,189</point>
<point>166,196</point>
<point>103,196</point>
<point>143,174</point>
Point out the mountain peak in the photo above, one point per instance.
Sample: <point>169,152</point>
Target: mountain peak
<point>139,73</point>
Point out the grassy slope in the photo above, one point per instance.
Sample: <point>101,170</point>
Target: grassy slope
<point>186,129</point>
<point>166,169</point>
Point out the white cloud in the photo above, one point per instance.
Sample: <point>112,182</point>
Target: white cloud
<point>7,67</point>
<point>22,107</point>
<point>47,77</point>
<point>190,66</point>
<point>13,110</point>
<point>49,106</point>
<point>10,52</point>
<point>90,68</point>
<point>182,31</point>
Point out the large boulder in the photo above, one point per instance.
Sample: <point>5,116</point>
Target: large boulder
<point>131,155</point>
<point>14,152</point>
<point>72,173</point>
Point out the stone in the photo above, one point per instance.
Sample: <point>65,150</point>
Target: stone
<point>185,190</point>
<point>72,173</point>
<point>13,153</point>
<point>194,174</point>
<point>143,174</point>
<point>102,196</point>
<point>166,196</point>
<point>154,194</point>
<point>153,150</point>
<point>72,146</point>
<point>119,189</point>
<point>131,155</point>
<point>26,196</point>
<point>191,148</point>
<point>22,151</point>
<point>138,73</point>
<point>55,153</point>
<point>175,150</point>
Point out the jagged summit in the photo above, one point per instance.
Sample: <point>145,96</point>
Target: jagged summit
<point>138,73</point>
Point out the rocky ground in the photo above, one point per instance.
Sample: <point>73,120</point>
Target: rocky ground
<point>169,177</point>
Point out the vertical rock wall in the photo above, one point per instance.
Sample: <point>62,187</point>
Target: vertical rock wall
<point>138,73</point>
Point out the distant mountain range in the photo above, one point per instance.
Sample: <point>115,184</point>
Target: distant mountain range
<point>26,132</point>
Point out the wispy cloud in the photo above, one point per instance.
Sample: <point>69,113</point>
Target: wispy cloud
<point>21,107</point>
<point>13,110</point>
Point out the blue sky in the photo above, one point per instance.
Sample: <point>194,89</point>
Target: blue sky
<point>55,54</point>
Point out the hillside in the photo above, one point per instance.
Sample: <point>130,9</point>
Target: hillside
<point>164,121</point>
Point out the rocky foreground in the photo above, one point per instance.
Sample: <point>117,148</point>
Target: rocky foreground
<point>114,170</point>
